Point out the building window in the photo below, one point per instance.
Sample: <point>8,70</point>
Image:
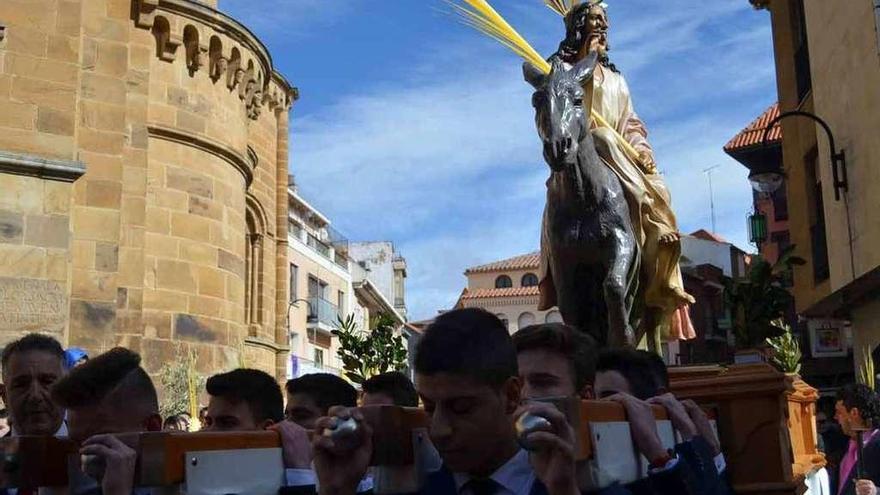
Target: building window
<point>294,276</point>
<point>319,357</point>
<point>818,238</point>
<point>253,274</point>
<point>503,282</point>
<point>504,320</point>
<point>530,280</point>
<point>553,317</point>
<point>801,50</point>
<point>525,320</point>
<point>780,204</point>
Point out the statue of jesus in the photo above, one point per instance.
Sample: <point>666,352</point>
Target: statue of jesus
<point>648,198</point>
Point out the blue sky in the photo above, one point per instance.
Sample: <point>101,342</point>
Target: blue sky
<point>415,129</point>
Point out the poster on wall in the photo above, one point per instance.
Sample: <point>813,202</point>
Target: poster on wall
<point>829,338</point>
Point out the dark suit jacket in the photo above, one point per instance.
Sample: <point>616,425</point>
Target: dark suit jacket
<point>871,463</point>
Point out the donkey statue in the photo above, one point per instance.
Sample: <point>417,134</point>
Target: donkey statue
<point>590,256</point>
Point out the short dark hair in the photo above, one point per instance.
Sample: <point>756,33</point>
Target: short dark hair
<point>33,342</point>
<point>395,385</point>
<point>577,347</point>
<point>659,372</point>
<point>256,388</point>
<point>634,367</point>
<point>115,373</point>
<point>325,389</point>
<point>857,395</point>
<point>470,342</point>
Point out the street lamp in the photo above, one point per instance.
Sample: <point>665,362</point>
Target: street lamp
<point>757,228</point>
<point>768,178</point>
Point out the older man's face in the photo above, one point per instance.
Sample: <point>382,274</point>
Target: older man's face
<point>27,379</point>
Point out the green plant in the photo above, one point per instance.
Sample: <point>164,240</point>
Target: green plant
<point>181,384</point>
<point>786,350</point>
<point>866,370</point>
<point>368,353</point>
<point>760,298</point>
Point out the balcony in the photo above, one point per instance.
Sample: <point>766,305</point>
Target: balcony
<point>323,315</point>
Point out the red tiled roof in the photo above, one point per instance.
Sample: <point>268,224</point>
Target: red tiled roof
<point>708,236</point>
<point>508,292</point>
<point>754,132</point>
<point>531,260</point>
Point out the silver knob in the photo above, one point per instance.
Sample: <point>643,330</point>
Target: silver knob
<point>527,424</point>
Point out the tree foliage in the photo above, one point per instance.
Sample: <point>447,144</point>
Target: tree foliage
<point>368,353</point>
<point>181,384</point>
<point>786,352</point>
<point>758,300</point>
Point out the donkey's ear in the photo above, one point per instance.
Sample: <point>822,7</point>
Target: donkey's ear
<point>533,75</point>
<point>583,70</point>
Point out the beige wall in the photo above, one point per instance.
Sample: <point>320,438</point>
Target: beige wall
<point>178,156</point>
<point>336,280</point>
<point>511,309</point>
<point>487,280</point>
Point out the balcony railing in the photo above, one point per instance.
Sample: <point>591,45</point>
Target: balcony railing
<point>323,311</point>
<point>318,246</point>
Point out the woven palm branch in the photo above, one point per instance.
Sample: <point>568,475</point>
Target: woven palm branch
<point>479,15</point>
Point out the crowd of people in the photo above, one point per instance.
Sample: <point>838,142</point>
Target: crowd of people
<point>473,380</point>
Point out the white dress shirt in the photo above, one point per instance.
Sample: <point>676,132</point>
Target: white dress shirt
<point>515,477</point>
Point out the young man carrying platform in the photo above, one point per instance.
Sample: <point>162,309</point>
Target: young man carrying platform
<point>467,377</point>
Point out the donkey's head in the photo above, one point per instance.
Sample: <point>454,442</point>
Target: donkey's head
<point>559,108</point>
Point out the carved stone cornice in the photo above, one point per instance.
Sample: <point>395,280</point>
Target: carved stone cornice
<point>146,11</point>
<point>220,150</point>
<point>43,168</point>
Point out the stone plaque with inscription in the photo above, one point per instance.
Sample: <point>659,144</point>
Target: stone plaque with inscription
<point>28,305</point>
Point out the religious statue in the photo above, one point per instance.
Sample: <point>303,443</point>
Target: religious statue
<point>648,290</point>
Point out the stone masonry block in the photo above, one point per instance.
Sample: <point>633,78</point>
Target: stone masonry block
<point>199,253</point>
<point>165,300</point>
<point>212,282</point>
<point>17,115</point>
<point>63,49</point>
<point>27,41</point>
<point>184,180</point>
<point>103,194</point>
<point>199,329</point>
<point>69,17</point>
<point>11,227</point>
<point>190,122</point>
<point>56,198</point>
<point>42,68</point>
<point>103,116</point>
<point>134,211</point>
<point>51,231</point>
<point>94,286</point>
<point>109,143</point>
<point>162,245</point>
<point>131,267</point>
<point>52,121</point>
<point>22,261</point>
<point>112,59</point>
<point>190,227</point>
<point>176,275</point>
<point>57,265</point>
<point>92,322</point>
<point>106,257</point>
<point>230,262</point>
<point>46,145</point>
<point>158,220</point>
<point>205,208</point>
<point>205,306</point>
<point>83,254</point>
<point>59,96</point>
<point>102,167</point>
<point>104,88</point>
<point>35,14</point>
<point>96,224</point>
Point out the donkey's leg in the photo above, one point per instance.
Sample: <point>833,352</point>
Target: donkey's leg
<point>620,333</point>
